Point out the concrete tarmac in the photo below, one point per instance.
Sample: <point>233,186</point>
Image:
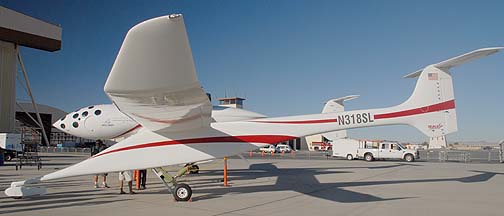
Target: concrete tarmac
<point>271,186</point>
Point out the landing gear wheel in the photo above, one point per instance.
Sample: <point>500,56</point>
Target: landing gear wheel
<point>194,169</point>
<point>349,157</point>
<point>368,157</point>
<point>409,158</point>
<point>182,192</point>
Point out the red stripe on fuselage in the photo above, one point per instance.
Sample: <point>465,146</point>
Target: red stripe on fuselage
<point>128,131</point>
<point>268,139</point>
<point>426,109</point>
<point>301,121</point>
<point>271,139</point>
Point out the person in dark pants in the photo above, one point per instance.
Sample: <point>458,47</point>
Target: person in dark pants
<point>99,146</point>
<point>143,178</point>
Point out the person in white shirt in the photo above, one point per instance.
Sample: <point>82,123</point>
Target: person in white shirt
<point>128,177</point>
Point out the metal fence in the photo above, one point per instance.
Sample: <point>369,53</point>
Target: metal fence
<point>482,156</point>
<point>64,149</point>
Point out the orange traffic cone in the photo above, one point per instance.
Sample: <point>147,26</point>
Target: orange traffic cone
<point>262,153</point>
<point>283,153</point>
<point>137,179</point>
<point>225,172</point>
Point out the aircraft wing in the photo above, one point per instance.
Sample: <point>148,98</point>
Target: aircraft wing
<point>153,79</point>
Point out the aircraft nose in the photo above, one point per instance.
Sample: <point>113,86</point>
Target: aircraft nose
<point>60,124</point>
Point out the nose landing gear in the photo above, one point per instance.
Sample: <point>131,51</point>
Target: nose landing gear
<point>180,191</point>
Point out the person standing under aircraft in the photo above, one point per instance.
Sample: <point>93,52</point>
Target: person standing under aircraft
<point>99,146</point>
<point>126,176</point>
<point>143,178</point>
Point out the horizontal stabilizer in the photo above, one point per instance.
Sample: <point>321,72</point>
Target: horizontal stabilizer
<point>455,61</point>
<point>336,105</point>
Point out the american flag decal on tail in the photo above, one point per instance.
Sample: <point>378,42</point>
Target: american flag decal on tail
<point>433,76</point>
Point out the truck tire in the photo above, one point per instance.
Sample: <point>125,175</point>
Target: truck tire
<point>368,157</point>
<point>409,158</point>
<point>194,169</point>
<point>349,157</point>
<point>8,157</point>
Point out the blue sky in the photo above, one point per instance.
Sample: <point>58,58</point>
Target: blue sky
<point>288,57</point>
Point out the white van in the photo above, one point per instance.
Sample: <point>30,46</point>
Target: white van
<point>283,148</point>
<point>268,149</point>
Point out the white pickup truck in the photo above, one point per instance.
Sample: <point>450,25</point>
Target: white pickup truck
<point>386,150</point>
<point>371,150</point>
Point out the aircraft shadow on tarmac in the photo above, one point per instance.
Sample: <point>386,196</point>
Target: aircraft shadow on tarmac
<point>60,199</point>
<point>303,181</point>
<point>55,201</point>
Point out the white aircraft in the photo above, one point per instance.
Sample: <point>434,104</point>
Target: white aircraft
<point>153,81</point>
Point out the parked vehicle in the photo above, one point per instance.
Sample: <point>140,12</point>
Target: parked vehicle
<point>268,149</point>
<point>283,148</point>
<point>386,150</point>
<point>372,150</point>
<point>9,155</point>
<point>10,144</point>
<point>321,146</point>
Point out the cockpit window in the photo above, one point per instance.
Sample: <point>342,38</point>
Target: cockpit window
<point>97,112</point>
<point>75,115</point>
<point>90,107</point>
<point>62,126</point>
<point>85,113</point>
<point>75,125</point>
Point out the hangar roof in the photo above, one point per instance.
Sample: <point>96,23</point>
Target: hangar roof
<point>27,31</point>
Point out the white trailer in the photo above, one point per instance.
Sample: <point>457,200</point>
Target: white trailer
<point>10,145</point>
<point>11,141</point>
<point>346,148</point>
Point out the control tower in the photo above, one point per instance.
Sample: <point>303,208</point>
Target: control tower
<point>234,102</point>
